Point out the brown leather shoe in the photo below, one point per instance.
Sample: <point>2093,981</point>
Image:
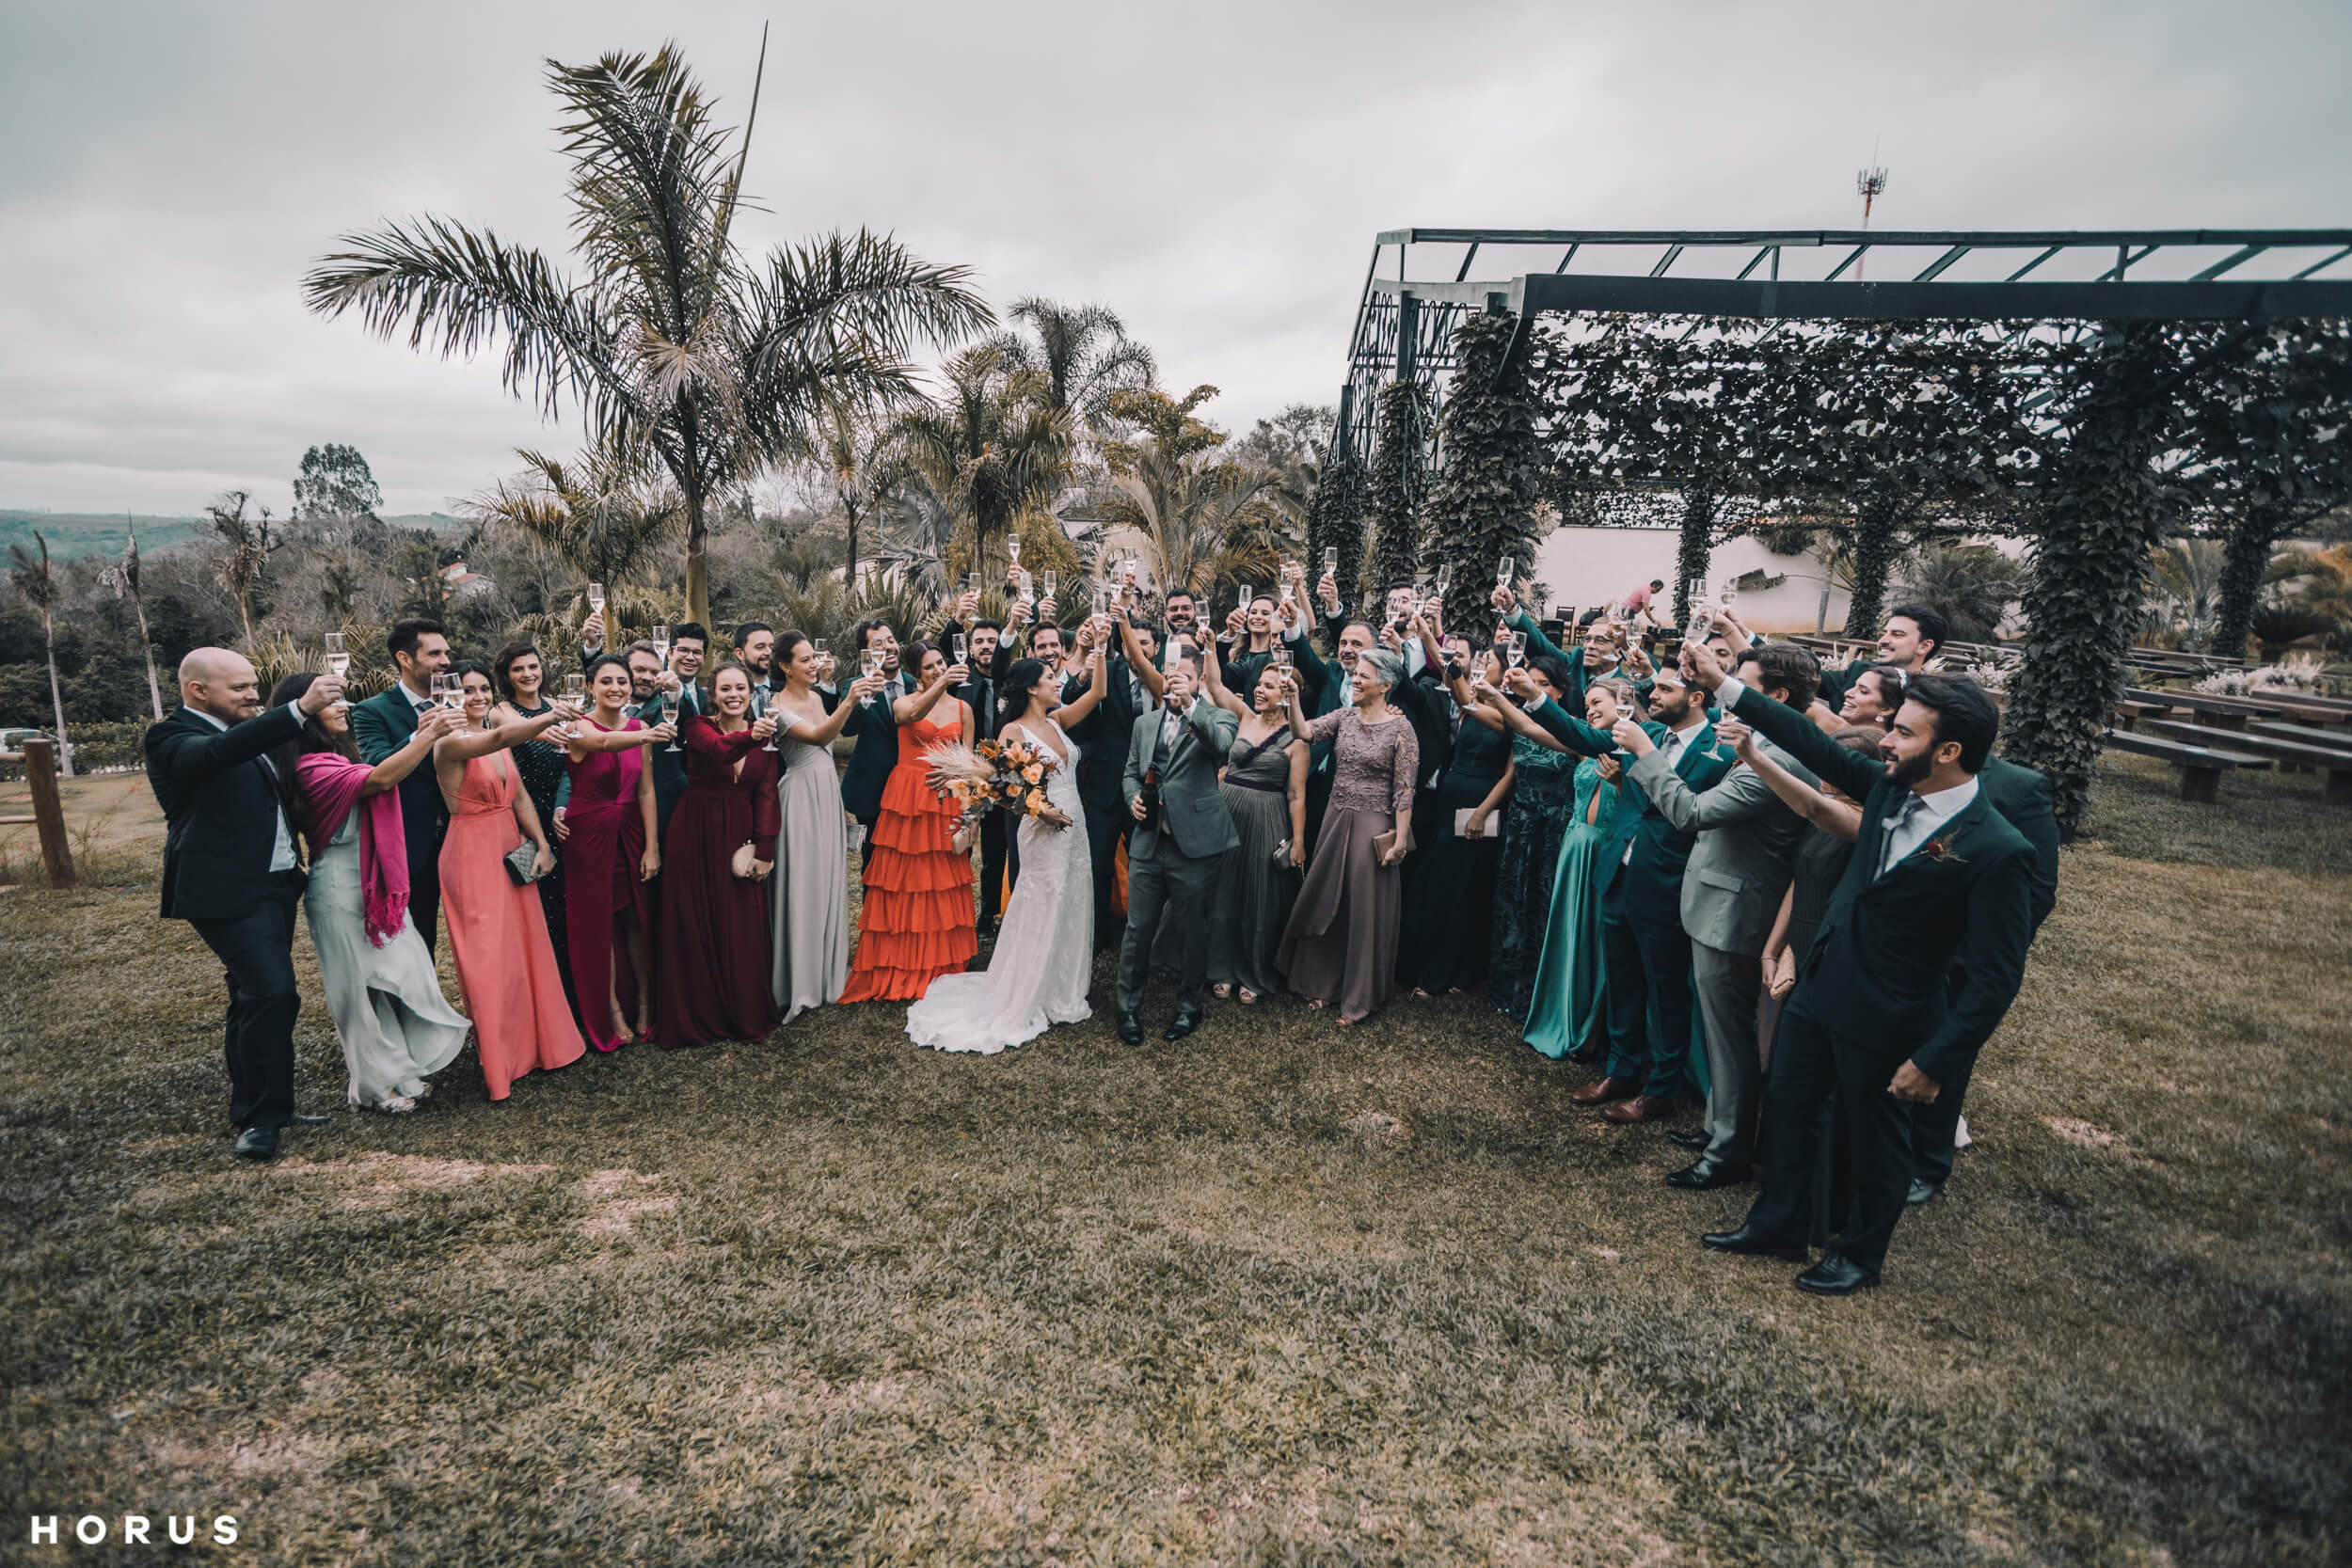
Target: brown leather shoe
<point>1605,1091</point>
<point>1641,1107</point>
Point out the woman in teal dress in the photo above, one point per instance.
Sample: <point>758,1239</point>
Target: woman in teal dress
<point>1535,825</point>
<point>1568,1013</point>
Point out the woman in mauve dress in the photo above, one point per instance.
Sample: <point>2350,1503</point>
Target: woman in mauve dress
<point>714,923</point>
<point>1339,948</point>
<point>497,935</point>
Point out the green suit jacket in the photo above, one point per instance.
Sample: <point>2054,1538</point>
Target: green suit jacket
<point>1647,883</point>
<point>2023,798</point>
<point>1103,735</point>
<point>1880,972</point>
<point>877,730</point>
<point>1193,811</point>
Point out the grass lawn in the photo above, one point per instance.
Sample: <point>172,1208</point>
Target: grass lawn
<point>1282,1293</point>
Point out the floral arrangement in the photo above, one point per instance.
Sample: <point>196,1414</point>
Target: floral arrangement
<point>1006,774</point>
<point>2295,673</point>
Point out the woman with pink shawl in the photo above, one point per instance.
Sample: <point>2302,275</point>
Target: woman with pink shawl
<point>396,1025</point>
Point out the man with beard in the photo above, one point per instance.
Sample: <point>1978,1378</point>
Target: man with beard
<point>1939,879</point>
<point>1910,637</point>
<point>755,646</point>
<point>876,727</point>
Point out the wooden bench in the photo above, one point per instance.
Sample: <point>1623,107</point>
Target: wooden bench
<point>2335,761</point>
<point>2220,713</point>
<point>2131,712</point>
<point>2302,734</point>
<point>2201,765</point>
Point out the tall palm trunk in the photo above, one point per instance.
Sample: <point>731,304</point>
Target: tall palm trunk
<point>56,694</point>
<point>147,646</point>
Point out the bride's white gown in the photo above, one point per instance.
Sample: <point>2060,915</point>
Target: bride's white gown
<point>1037,977</point>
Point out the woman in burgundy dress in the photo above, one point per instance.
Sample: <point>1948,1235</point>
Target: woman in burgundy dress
<point>714,946</point>
<point>611,857</point>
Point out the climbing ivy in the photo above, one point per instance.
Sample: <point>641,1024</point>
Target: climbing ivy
<point>1482,506</point>
<point>1394,492</point>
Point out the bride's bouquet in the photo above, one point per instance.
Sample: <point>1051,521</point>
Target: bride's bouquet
<point>1006,774</point>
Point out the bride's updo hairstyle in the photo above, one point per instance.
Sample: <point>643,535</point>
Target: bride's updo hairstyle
<point>1020,681</point>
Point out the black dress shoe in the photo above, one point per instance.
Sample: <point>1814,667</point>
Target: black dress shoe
<point>1707,1175</point>
<point>257,1143</point>
<point>1130,1029</point>
<point>1836,1275</point>
<point>1590,1056</point>
<point>1922,1190</point>
<point>1695,1141</point>
<point>1750,1242</point>
<point>310,1121</point>
<point>1188,1020</point>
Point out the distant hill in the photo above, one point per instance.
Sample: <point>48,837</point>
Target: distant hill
<point>74,534</point>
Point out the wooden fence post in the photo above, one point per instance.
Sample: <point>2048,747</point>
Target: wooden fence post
<point>40,771</point>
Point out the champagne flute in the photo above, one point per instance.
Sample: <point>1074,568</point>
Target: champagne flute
<point>1502,573</point>
<point>972,584</point>
<point>575,690</point>
<point>337,663</point>
<point>869,660</point>
<point>596,604</point>
<point>961,647</point>
<point>1046,582</point>
<point>1281,656</point>
<point>1331,561</point>
<point>1517,649</point>
<point>1012,549</point>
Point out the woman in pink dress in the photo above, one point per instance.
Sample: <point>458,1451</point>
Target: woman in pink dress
<point>498,934</point>
<point>612,853</point>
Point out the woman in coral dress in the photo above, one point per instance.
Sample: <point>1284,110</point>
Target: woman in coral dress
<point>917,921</point>
<point>498,933</point>
<point>713,949</point>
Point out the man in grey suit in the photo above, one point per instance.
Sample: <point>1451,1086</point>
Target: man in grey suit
<point>1183,829</point>
<point>1731,890</point>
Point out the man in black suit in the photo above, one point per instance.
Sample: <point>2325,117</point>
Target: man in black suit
<point>382,725</point>
<point>989,659</point>
<point>230,870</point>
<point>1938,878</point>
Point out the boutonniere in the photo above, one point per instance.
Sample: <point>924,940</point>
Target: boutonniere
<point>1941,849</point>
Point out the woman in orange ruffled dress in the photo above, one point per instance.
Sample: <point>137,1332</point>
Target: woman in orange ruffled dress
<point>917,921</point>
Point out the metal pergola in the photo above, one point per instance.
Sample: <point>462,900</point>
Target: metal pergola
<point>1405,323</point>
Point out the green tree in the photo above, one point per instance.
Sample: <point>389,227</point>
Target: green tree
<point>602,520</point>
<point>39,583</point>
<point>678,350</point>
<point>123,577</point>
<point>249,542</point>
<point>1083,353</point>
<point>335,482</point>
<point>993,445</point>
<point>1198,517</point>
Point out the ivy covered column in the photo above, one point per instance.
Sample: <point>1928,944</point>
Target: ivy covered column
<point>1482,506</point>
<point>1876,541</point>
<point>2245,558</point>
<point>1335,516</point>
<point>1393,497</point>
<point>2089,564</point>
<point>1697,548</point>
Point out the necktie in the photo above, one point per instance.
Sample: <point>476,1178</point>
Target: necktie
<point>1894,825</point>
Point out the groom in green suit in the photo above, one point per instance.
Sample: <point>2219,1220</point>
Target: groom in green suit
<point>1938,878</point>
<point>1182,831</point>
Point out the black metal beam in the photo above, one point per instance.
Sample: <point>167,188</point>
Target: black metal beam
<point>1976,240</point>
<point>1908,299</point>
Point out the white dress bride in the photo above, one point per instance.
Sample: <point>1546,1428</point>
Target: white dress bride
<point>1044,955</point>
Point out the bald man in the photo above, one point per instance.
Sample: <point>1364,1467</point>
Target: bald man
<point>230,870</point>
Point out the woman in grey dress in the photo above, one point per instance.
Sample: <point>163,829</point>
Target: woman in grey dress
<point>1340,943</point>
<point>1266,788</point>
<point>395,1027</point>
<point>809,890</point>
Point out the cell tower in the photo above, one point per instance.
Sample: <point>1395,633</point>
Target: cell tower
<point>1868,184</point>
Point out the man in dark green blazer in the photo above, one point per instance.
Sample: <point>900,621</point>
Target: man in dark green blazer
<point>875,725</point>
<point>2023,798</point>
<point>1177,841</point>
<point>382,725</point>
<point>1643,942</point>
<point>1938,878</point>
<point>231,868</point>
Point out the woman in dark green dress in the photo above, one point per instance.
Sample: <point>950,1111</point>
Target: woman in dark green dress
<point>1535,825</point>
<point>1448,936</point>
<point>1569,1014</point>
<point>1266,788</point>
<point>521,676</point>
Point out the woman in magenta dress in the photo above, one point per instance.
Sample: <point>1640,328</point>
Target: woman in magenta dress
<point>714,946</point>
<point>498,934</point>
<point>611,857</point>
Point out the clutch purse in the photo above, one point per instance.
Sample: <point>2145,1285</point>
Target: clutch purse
<point>1384,843</point>
<point>1461,824</point>
<point>743,862</point>
<point>522,863</point>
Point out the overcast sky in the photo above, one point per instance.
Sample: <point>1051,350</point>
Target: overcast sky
<point>1215,173</point>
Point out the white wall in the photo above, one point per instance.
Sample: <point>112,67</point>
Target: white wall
<point>1587,565</point>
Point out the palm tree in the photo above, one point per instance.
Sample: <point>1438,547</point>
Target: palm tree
<point>677,349</point>
<point>1195,515</point>
<point>995,445</point>
<point>249,547</point>
<point>2188,574</point>
<point>1083,353</point>
<point>599,519</point>
<point>1971,586</point>
<point>861,463</point>
<point>41,589</point>
<point>123,577</point>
